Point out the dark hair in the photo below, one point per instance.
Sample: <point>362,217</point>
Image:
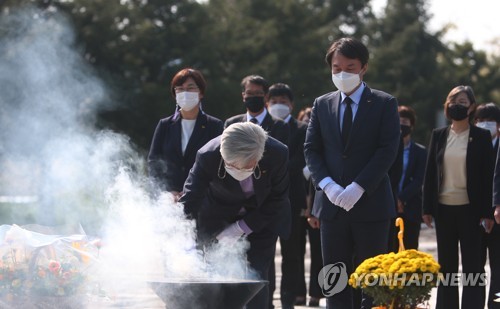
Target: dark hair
<point>255,79</point>
<point>306,111</point>
<point>350,48</point>
<point>487,111</point>
<point>280,89</point>
<point>183,75</point>
<point>408,112</point>
<point>452,96</point>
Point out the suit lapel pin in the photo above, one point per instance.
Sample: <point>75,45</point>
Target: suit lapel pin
<point>470,139</point>
<point>203,127</point>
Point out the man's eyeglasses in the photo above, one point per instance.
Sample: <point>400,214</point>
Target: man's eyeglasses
<point>188,89</point>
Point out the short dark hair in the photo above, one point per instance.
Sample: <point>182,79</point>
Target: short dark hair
<point>280,89</point>
<point>350,48</point>
<point>183,75</point>
<point>255,79</point>
<point>487,111</point>
<point>408,112</point>
<point>454,94</point>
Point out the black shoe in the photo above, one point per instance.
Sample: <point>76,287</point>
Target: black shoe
<point>314,302</point>
<point>300,301</point>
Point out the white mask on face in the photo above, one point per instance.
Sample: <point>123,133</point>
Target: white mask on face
<point>345,81</point>
<point>279,110</point>
<point>238,174</point>
<point>488,125</point>
<point>187,100</point>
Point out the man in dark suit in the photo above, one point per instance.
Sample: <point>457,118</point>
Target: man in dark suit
<point>254,91</point>
<point>409,202</point>
<point>280,105</point>
<point>487,116</point>
<point>238,187</point>
<point>351,142</point>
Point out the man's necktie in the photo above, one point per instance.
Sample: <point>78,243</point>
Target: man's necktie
<point>254,120</point>
<point>347,121</point>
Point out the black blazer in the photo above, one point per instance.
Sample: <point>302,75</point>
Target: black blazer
<point>276,128</point>
<point>496,181</point>
<point>411,193</point>
<point>370,151</point>
<point>479,167</point>
<point>296,164</point>
<point>166,163</point>
<point>215,198</point>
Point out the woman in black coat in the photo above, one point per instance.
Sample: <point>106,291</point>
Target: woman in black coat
<point>178,137</point>
<point>457,194</point>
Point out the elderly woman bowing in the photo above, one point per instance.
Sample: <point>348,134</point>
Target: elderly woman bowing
<point>238,187</point>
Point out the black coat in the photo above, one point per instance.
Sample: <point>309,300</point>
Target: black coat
<point>479,169</point>
<point>296,164</point>
<point>215,198</point>
<point>167,165</point>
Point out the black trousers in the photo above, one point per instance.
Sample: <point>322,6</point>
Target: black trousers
<point>457,225</point>
<point>342,240</point>
<point>290,265</point>
<point>260,257</point>
<point>316,260</point>
<point>491,247</point>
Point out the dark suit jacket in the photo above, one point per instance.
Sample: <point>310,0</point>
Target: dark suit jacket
<point>496,182</point>
<point>166,163</point>
<point>370,151</point>
<point>276,128</point>
<point>296,164</point>
<point>216,199</point>
<point>479,168</point>
<point>411,193</point>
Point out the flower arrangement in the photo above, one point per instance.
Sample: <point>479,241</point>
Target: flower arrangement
<point>399,280</point>
<point>39,265</point>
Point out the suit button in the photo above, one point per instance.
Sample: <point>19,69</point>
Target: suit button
<point>344,156</point>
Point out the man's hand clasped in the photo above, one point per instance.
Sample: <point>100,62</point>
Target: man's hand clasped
<point>344,198</point>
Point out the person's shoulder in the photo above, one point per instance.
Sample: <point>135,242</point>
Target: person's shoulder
<point>379,94</point>
<point>235,119</point>
<point>481,132</point>
<point>213,119</point>
<point>327,96</point>
<point>274,145</point>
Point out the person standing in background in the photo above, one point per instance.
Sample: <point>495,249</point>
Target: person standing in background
<point>351,142</point>
<point>280,105</point>
<point>254,91</point>
<point>178,137</point>
<point>309,227</point>
<point>457,194</point>
<point>409,201</point>
<point>487,117</point>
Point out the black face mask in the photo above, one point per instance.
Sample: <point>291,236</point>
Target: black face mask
<point>254,104</point>
<point>458,112</point>
<point>405,130</point>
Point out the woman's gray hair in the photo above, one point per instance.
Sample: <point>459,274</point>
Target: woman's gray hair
<point>243,142</point>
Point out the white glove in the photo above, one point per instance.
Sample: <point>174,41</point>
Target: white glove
<point>349,196</point>
<point>306,172</point>
<point>230,234</point>
<point>332,191</point>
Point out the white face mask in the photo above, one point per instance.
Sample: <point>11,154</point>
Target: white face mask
<point>279,110</point>
<point>239,174</point>
<point>490,126</point>
<point>346,82</point>
<point>187,100</point>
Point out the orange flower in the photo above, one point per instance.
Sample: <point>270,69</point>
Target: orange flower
<point>54,266</point>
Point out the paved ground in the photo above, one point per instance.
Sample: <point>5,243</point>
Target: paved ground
<point>427,243</point>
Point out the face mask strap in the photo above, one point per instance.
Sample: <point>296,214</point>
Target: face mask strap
<point>223,175</point>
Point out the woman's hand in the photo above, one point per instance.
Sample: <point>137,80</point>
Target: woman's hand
<point>487,224</point>
<point>427,220</point>
<point>313,222</point>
